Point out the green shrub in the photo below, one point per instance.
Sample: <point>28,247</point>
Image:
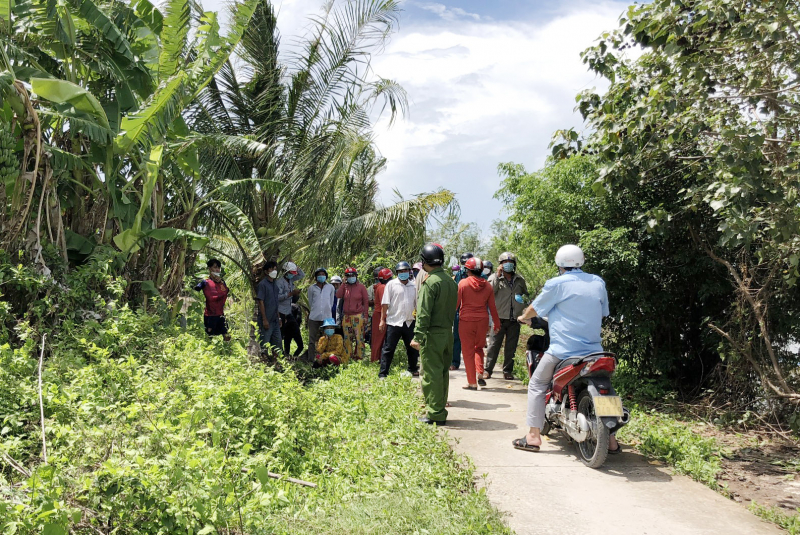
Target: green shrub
<point>676,443</point>
<point>789,522</point>
<point>156,430</point>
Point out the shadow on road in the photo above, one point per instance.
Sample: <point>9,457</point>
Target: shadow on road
<point>477,405</point>
<point>480,424</point>
<point>504,390</point>
<point>632,466</point>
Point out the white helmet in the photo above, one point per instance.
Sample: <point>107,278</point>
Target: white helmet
<point>570,256</point>
<point>290,266</point>
<point>335,279</point>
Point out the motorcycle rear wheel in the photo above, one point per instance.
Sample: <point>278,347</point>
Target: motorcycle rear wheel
<point>593,451</point>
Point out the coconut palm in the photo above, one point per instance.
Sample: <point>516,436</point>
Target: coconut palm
<point>314,113</point>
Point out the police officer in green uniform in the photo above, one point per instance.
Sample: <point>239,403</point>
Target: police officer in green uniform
<point>433,335</point>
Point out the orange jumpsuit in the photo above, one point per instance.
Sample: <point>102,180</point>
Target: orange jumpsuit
<point>376,344</point>
<point>475,303</point>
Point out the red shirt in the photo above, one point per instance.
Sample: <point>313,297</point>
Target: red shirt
<point>216,294</point>
<point>378,299</point>
<point>356,299</point>
<point>475,297</point>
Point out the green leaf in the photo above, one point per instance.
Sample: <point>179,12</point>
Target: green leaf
<point>152,121</point>
<point>6,9</point>
<point>263,474</point>
<point>64,92</point>
<point>53,529</point>
<point>98,20</point>
<point>77,243</point>
<point>149,288</point>
<point>127,240</point>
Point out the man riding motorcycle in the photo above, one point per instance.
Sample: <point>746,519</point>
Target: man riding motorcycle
<point>574,303</point>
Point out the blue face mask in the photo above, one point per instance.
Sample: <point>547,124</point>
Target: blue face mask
<point>403,276</point>
<point>351,280</point>
<point>289,276</point>
<point>509,267</point>
<point>321,279</point>
<point>329,332</point>
<point>519,299</point>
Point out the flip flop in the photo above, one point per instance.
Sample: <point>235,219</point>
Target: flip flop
<point>522,444</point>
<point>616,451</point>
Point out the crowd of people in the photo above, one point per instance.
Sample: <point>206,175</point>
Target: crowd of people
<point>444,319</point>
<point>344,316</point>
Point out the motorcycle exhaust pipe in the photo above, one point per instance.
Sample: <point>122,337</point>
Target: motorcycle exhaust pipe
<point>626,416</point>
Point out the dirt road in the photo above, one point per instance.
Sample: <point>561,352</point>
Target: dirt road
<point>552,492</point>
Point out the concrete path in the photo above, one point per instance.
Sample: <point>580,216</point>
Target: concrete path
<point>552,492</point>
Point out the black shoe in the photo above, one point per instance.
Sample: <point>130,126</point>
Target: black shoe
<point>481,382</point>
<point>426,420</point>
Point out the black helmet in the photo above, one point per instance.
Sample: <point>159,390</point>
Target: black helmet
<point>487,264</point>
<point>402,265</point>
<point>376,271</point>
<point>320,270</point>
<point>432,255</point>
<point>465,257</point>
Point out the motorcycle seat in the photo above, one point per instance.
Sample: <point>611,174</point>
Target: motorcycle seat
<point>572,361</point>
<point>567,362</point>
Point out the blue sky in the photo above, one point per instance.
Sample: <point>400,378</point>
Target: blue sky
<point>488,81</point>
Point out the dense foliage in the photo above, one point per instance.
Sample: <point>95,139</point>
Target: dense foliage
<point>150,429</point>
<point>126,124</point>
<point>684,195</point>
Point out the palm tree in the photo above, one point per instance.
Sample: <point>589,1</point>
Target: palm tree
<point>314,114</point>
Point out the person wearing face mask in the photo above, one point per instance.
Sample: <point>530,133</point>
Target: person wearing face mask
<point>216,293</point>
<point>336,309</point>
<point>458,276</point>
<point>475,307</point>
<point>269,322</point>
<point>330,346</point>
<point>355,308</point>
<point>378,334</point>
<point>509,291</point>
<point>290,329</point>
<point>398,304</point>
<point>488,268</point>
<point>320,302</point>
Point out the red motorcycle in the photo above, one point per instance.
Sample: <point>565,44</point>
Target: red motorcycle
<point>581,401</point>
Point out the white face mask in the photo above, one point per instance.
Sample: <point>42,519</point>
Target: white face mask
<point>216,273</point>
<point>486,271</point>
<point>272,274</point>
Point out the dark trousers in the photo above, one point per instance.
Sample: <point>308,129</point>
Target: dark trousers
<point>314,328</point>
<point>393,335</point>
<point>509,330</point>
<point>456,363</point>
<point>290,330</point>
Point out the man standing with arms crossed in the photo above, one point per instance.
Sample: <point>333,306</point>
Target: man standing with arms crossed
<point>433,334</point>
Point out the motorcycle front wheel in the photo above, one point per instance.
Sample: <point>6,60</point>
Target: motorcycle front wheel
<point>594,450</point>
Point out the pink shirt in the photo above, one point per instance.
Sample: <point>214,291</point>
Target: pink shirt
<point>355,298</point>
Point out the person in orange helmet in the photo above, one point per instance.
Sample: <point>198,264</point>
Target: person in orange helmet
<point>475,303</point>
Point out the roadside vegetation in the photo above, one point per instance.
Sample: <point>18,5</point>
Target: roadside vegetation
<point>153,429</point>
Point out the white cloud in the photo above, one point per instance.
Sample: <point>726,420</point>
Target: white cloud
<point>447,13</point>
<point>483,93</point>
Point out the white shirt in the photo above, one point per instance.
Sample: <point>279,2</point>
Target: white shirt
<point>320,301</point>
<point>402,300</point>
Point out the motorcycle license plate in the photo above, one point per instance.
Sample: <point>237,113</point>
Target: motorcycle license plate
<point>607,406</point>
